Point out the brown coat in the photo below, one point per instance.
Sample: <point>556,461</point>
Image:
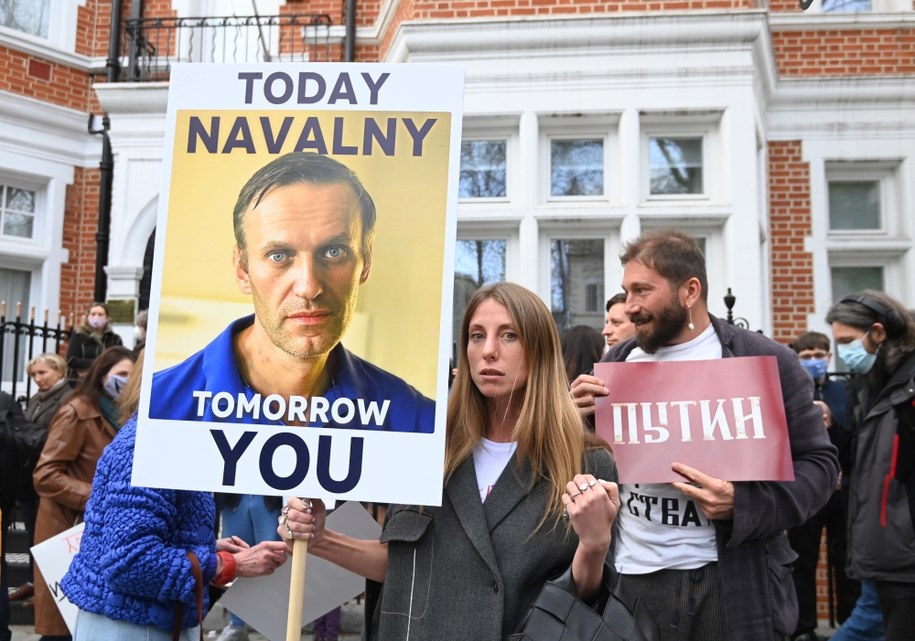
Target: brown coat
<point>63,479</point>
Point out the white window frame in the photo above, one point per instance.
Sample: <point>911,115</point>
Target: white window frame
<point>496,232</point>
<point>889,261</point>
<point>18,244</point>
<point>509,152</point>
<point>702,137</point>
<point>887,247</point>
<point>705,126</point>
<point>61,31</point>
<point>601,126</point>
<point>884,173</point>
<point>496,128</point>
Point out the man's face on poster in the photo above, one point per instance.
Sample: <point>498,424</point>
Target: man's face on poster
<point>305,263</point>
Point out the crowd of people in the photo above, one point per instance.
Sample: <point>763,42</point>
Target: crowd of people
<point>529,489</point>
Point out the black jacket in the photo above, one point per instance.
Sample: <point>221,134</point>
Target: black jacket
<point>84,348</point>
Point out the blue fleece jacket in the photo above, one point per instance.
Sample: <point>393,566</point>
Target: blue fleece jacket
<point>132,564</point>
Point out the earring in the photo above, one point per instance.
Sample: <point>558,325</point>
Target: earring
<point>690,324</point>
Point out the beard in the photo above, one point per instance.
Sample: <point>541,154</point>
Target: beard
<point>666,325</point>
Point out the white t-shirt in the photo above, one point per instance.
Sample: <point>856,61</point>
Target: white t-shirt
<point>489,459</point>
<point>659,528</point>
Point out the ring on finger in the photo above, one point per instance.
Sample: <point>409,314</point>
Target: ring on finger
<point>583,486</point>
<point>289,533</point>
<point>592,483</point>
<point>285,510</point>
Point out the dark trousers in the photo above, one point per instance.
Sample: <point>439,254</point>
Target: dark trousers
<point>29,509</point>
<point>897,603</point>
<point>327,627</point>
<point>686,604</point>
<point>805,539</point>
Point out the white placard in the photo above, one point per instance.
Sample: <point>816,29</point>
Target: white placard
<point>397,128</point>
<point>53,557</point>
<point>263,602</point>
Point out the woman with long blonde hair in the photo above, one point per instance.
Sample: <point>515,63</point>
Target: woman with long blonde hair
<point>528,491</point>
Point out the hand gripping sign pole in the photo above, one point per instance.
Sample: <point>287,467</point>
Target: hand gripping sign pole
<point>296,590</point>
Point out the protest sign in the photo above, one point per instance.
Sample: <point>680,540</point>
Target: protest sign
<point>53,557</point>
<point>299,317</point>
<point>262,602</point>
<point>725,417</point>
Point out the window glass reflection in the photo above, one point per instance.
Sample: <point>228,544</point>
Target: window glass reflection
<point>576,268</point>
<point>577,167</point>
<point>476,263</point>
<point>27,16</point>
<point>17,212</point>
<point>844,6</point>
<point>675,166</point>
<point>854,204</point>
<point>483,169</point>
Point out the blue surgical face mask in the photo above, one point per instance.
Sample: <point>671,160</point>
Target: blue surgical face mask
<point>115,385</point>
<point>858,359</point>
<point>816,367</point>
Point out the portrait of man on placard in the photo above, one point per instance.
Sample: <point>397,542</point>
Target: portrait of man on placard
<point>304,229</point>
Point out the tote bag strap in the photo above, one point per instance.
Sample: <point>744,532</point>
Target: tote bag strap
<point>198,592</point>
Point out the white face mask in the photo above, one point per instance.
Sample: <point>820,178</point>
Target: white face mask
<point>139,333</point>
<point>114,385</point>
<point>858,359</point>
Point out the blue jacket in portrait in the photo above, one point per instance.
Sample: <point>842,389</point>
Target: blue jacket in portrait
<point>214,369</point>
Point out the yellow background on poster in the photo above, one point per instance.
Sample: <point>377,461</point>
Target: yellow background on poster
<point>396,322</point>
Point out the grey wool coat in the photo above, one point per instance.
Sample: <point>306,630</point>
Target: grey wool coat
<point>754,556</point>
<point>467,569</point>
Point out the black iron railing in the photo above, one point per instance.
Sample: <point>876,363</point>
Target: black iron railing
<point>21,339</point>
<point>152,45</point>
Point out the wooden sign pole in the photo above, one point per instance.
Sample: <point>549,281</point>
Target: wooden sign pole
<point>296,590</point>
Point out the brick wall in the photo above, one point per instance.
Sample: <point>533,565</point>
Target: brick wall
<point>50,82</point>
<point>789,223</point>
<point>77,277</point>
<point>858,52</point>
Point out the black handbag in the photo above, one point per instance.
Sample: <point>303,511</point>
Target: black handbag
<point>557,614</point>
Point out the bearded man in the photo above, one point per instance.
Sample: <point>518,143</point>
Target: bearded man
<point>710,557</point>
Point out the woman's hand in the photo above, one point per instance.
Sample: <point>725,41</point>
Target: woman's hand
<point>263,558</point>
<point>302,519</point>
<point>592,506</point>
<point>231,544</point>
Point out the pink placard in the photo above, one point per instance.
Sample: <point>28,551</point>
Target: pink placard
<point>724,417</point>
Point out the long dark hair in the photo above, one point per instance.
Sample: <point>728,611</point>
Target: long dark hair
<point>895,349</point>
<point>582,346</point>
<point>90,387</point>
